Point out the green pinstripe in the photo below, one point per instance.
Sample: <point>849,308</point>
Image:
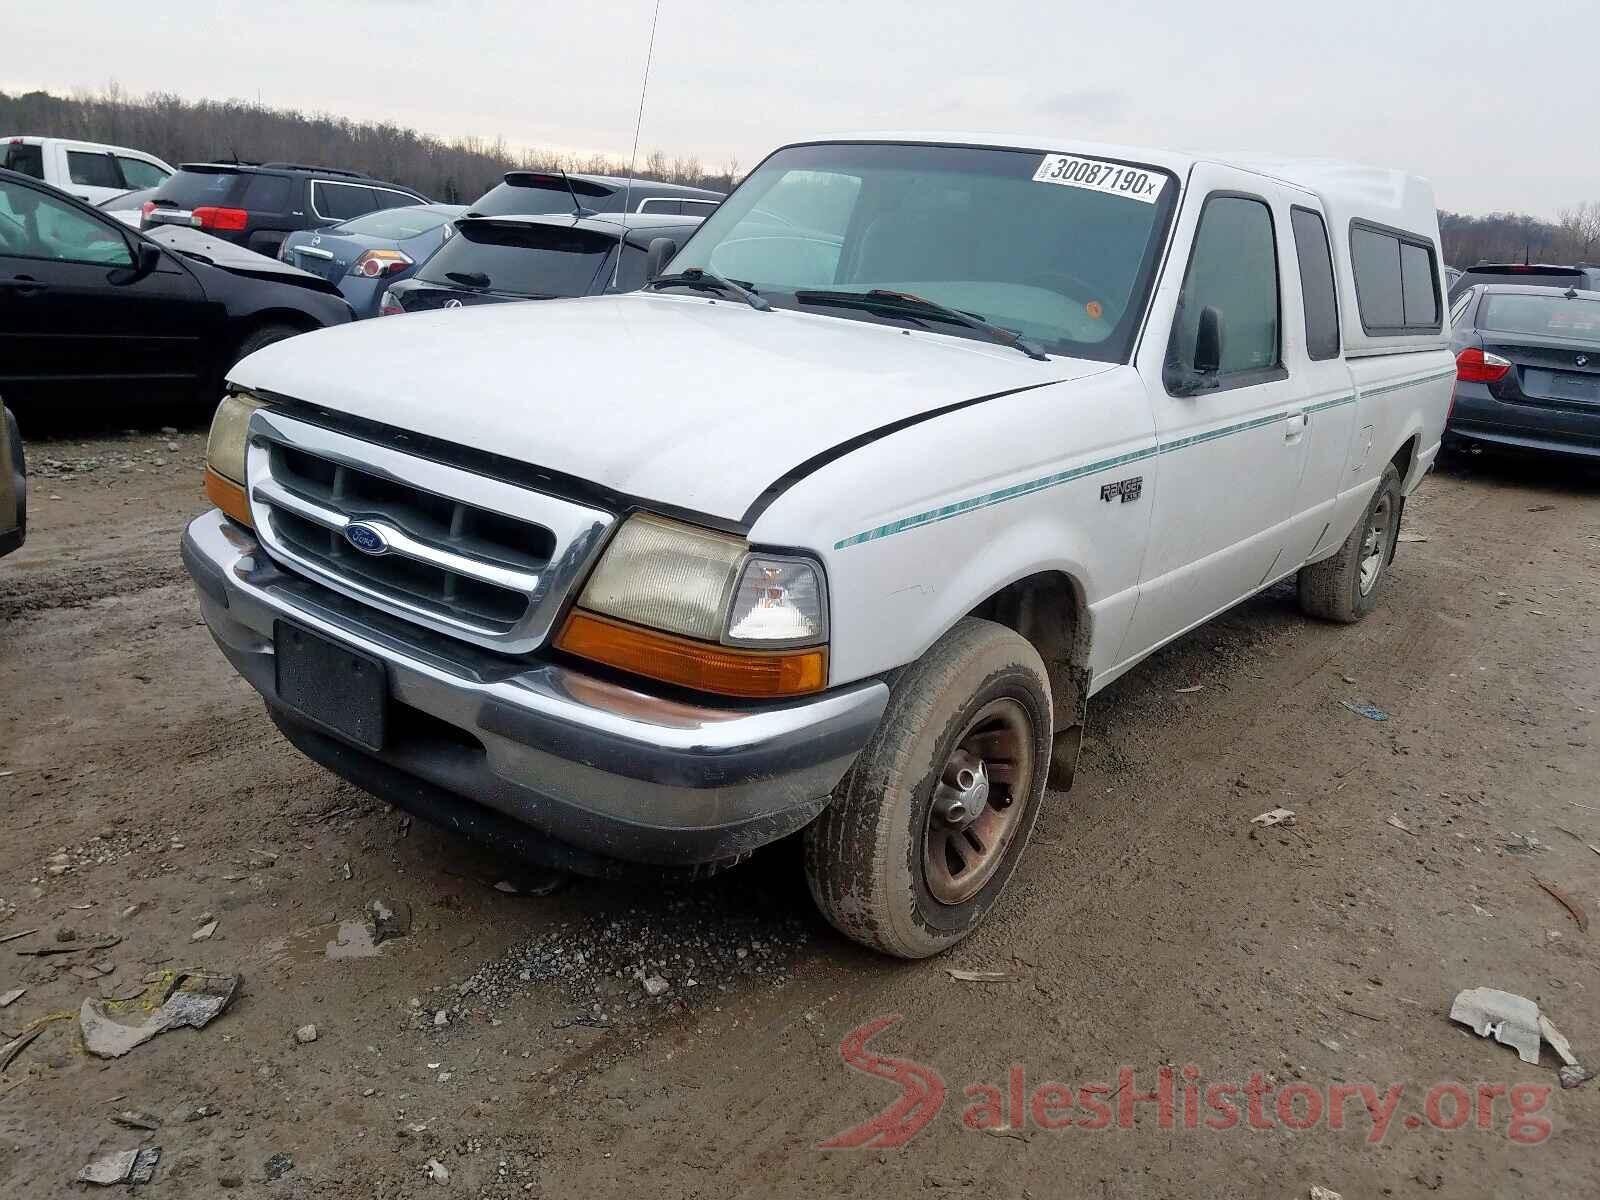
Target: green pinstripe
<point>934,515</point>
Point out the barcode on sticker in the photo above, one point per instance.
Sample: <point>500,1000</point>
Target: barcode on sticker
<point>1092,174</point>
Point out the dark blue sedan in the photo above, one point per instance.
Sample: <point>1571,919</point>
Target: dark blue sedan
<point>366,254</point>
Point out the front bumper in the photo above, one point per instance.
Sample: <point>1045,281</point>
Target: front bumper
<point>561,766</point>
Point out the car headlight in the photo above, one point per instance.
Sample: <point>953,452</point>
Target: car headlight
<point>690,606</point>
<point>225,455</point>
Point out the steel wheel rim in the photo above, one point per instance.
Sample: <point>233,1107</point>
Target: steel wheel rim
<point>1374,544</point>
<point>959,856</point>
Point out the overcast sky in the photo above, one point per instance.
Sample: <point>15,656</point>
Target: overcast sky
<point>1486,98</point>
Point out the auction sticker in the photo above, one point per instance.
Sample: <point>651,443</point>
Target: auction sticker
<point>1095,175</point>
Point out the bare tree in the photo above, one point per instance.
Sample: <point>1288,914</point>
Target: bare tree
<point>1580,229</point>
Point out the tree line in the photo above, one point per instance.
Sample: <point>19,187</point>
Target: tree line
<point>460,170</point>
<point>456,171</point>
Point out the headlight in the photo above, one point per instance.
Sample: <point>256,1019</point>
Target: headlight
<point>225,454</point>
<point>690,606</point>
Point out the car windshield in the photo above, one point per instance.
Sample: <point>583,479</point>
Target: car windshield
<point>396,223</point>
<point>521,258</point>
<point>1059,248</point>
<point>1542,316</point>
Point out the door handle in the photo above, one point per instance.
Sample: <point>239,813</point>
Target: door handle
<point>1294,426</point>
<point>23,285</point>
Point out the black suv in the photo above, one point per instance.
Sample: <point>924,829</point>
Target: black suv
<point>257,205</point>
<point>1579,275</point>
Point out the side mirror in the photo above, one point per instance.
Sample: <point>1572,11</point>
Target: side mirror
<point>658,256</point>
<point>1208,342</point>
<point>147,257</point>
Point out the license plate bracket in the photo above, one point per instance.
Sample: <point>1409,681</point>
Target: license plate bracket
<point>343,690</point>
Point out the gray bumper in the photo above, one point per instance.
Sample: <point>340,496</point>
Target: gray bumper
<point>504,747</point>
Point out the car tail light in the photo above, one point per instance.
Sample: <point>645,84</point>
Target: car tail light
<point>379,264</point>
<point>230,219</point>
<point>389,305</point>
<point>1474,366</point>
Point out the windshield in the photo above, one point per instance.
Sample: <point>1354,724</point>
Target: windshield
<point>523,259</point>
<point>1542,316</point>
<point>396,223</point>
<point>1058,248</point>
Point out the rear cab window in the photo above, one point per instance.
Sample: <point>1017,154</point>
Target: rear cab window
<point>24,158</point>
<point>1396,278</point>
<point>1317,290</point>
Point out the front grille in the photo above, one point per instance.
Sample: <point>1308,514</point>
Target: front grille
<point>477,558</point>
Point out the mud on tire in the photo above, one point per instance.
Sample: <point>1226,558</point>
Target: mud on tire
<point>868,855</point>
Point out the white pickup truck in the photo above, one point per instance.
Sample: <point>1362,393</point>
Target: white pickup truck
<point>835,527</point>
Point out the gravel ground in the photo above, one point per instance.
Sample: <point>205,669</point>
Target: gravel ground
<point>687,1041</point>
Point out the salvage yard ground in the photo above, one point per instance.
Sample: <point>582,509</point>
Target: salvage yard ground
<point>505,1045</point>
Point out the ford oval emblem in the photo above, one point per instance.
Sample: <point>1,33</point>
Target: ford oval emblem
<point>366,538</point>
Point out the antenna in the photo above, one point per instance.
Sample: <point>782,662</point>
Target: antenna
<point>627,192</point>
<point>578,210</point>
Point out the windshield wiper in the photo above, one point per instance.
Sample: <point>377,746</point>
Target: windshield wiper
<point>883,298</point>
<point>699,277</point>
<point>476,279</point>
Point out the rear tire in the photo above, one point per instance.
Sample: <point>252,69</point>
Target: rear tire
<point>18,467</point>
<point>1345,587</point>
<point>890,862</point>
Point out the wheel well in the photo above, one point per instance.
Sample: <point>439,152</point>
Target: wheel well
<point>1405,457</point>
<point>1048,609</point>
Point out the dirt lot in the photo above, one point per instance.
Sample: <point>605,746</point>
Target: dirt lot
<point>144,794</point>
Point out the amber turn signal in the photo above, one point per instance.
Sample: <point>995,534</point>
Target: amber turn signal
<point>229,497</point>
<point>699,665</point>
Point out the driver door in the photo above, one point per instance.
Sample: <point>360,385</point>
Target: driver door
<point>1232,443</point>
<point>74,320</point>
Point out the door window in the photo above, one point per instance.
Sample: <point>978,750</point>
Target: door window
<point>1316,283</point>
<point>93,170</point>
<point>138,174</point>
<point>44,227</point>
<point>341,200</point>
<point>389,198</point>
<point>1233,269</point>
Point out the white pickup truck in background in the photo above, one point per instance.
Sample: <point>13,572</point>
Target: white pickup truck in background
<point>835,527</point>
<point>92,172</point>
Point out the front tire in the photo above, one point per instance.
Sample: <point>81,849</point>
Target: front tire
<point>925,831</point>
<point>1345,587</point>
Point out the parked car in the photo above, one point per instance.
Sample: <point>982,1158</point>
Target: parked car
<point>1578,275</point>
<point>364,255</point>
<point>523,192</point>
<point>1527,369</point>
<point>90,309</point>
<point>495,259</point>
<point>90,171</point>
<point>13,485</point>
<point>128,207</point>
<point>834,532</point>
<point>257,205</point>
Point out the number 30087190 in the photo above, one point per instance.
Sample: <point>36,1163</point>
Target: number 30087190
<point>1117,179</point>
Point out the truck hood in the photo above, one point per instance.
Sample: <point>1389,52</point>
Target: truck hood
<point>674,399</point>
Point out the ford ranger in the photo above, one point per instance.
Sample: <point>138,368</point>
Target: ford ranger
<point>834,528</point>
